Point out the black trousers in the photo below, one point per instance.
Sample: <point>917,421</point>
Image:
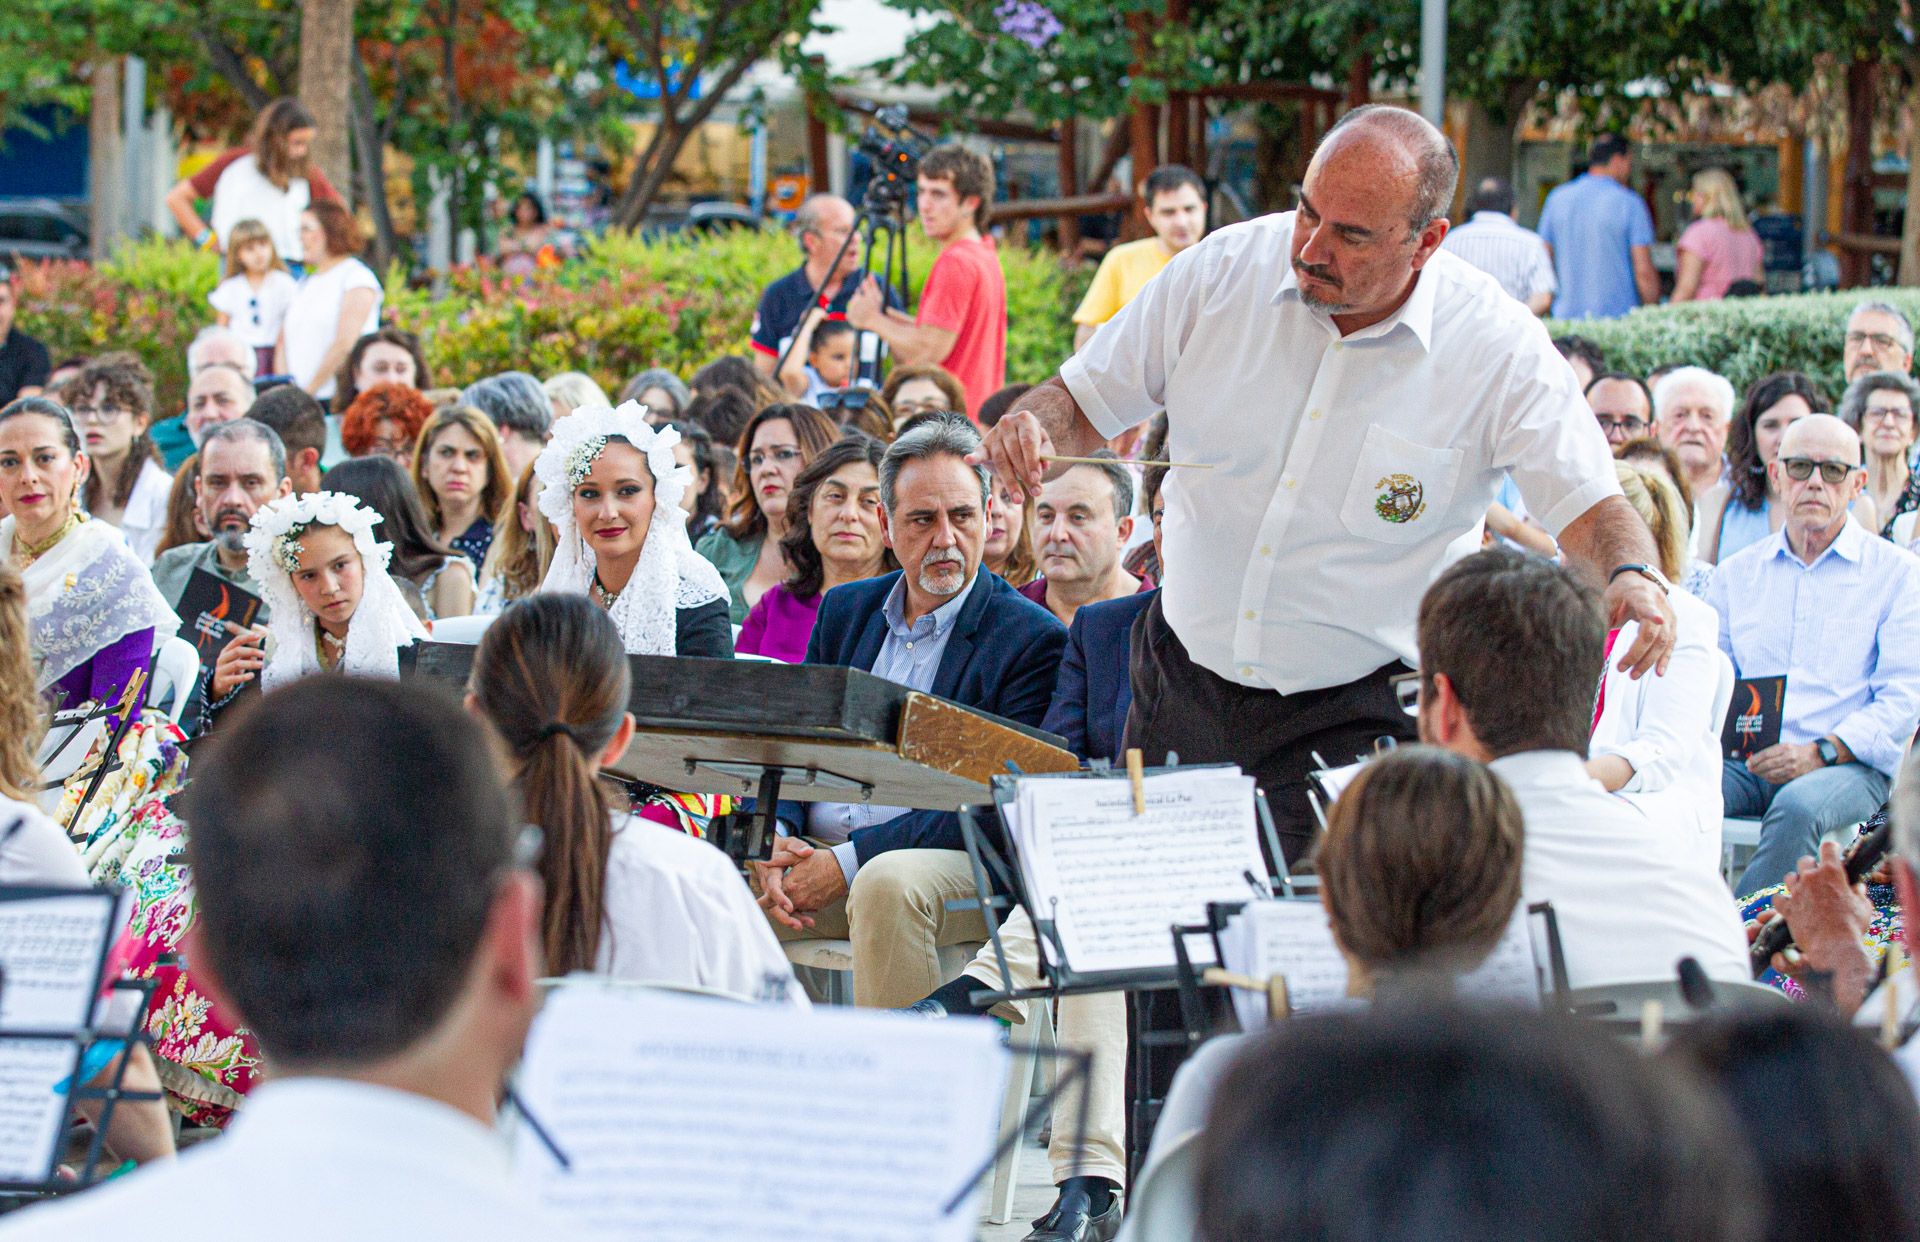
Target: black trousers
<point>1181,707</point>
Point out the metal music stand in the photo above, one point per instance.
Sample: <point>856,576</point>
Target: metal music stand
<point>120,716</point>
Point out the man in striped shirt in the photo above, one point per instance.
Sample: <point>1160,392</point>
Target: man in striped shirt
<point>1492,242</point>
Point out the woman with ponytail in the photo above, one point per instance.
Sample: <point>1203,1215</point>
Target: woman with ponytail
<point>625,897</point>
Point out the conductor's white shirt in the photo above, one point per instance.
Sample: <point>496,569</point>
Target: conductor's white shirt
<point>1346,473</point>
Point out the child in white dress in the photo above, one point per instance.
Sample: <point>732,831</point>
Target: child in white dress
<point>253,298</point>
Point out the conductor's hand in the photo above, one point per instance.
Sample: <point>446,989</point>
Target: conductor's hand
<point>1632,597</point>
<point>239,661</point>
<point>1016,448</point>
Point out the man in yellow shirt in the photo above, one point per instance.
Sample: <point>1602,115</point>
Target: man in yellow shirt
<point>1174,200</point>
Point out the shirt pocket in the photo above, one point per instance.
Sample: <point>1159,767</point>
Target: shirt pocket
<point>1400,491</point>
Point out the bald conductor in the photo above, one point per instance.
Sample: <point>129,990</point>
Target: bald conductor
<point>1359,395</point>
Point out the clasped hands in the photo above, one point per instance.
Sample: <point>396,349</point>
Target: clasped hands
<point>797,880</point>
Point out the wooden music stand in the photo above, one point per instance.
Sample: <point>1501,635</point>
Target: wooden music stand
<point>806,732</point>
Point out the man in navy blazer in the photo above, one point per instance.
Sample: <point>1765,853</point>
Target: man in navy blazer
<point>880,876</point>
<point>1091,698</point>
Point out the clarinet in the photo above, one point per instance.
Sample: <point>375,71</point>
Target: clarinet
<point>1861,859</point>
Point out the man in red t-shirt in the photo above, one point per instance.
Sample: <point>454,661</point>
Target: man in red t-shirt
<point>962,322</point>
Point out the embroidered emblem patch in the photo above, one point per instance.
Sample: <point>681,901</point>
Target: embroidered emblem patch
<point>1401,498</point>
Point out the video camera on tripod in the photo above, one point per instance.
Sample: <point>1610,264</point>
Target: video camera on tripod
<point>896,149</point>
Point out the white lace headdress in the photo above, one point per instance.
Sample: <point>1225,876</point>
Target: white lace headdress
<point>670,575</point>
<point>381,625</point>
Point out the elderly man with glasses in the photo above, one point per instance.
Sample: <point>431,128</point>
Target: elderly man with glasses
<point>1879,338</point>
<point>1835,611</point>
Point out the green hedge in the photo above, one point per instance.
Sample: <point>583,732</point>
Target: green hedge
<point>1742,338</point>
<point>626,305</point>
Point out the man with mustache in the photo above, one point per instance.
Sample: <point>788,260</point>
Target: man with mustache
<point>243,465</point>
<point>1358,396</point>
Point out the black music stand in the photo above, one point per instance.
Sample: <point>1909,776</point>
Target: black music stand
<point>120,716</point>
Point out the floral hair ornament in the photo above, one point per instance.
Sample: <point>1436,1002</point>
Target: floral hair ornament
<point>580,438</point>
<point>273,542</point>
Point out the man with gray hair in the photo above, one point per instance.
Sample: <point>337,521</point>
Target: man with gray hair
<point>831,271</point>
<point>518,406</point>
<point>243,465</point>
<point>880,876</point>
<point>1082,522</point>
<point>1692,412</point>
<point>1879,338</point>
<point>174,438</point>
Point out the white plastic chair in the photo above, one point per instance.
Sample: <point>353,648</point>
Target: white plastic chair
<point>463,630</point>
<point>176,669</point>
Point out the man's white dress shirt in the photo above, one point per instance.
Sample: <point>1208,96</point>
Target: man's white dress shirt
<point>316,1160</point>
<point>1347,472</point>
<point>1630,895</point>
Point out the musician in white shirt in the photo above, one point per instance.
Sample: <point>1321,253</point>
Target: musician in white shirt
<point>1508,645</point>
<point>1358,397</point>
<point>359,901</point>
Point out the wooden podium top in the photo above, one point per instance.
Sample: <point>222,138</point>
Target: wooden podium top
<point>839,734</point>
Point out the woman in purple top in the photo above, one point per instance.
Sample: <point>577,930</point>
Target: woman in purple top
<point>833,536</point>
<point>93,613</point>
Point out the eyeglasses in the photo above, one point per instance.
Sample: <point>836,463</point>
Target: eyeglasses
<point>780,456</point>
<point>1832,473</point>
<point>1632,426</point>
<point>845,399</point>
<point>102,414</point>
<point>1880,339</point>
<point>1886,414</point>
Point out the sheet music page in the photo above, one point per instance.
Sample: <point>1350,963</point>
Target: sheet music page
<point>1511,973</point>
<point>1116,882</point>
<point>50,952</point>
<point>32,1114</point>
<point>696,1120</point>
<point>1291,939</point>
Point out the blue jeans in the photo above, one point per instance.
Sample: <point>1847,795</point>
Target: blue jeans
<point>1794,816</point>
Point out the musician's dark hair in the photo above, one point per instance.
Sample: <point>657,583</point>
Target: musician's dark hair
<point>294,416</point>
<point>342,897</point>
<point>1522,641</point>
<point>45,407</point>
<point>551,674</point>
<point>1830,1118</point>
<point>813,431</point>
<point>381,485</point>
<point>1420,864</point>
<point>1415,1121</point>
<point>807,572</point>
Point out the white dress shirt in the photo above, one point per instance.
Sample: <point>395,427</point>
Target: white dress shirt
<point>317,1160</point>
<point>33,849</point>
<point>1630,897</point>
<point>1512,255</point>
<point>1666,727</point>
<point>1844,630</point>
<point>1347,472</point>
<point>677,911</point>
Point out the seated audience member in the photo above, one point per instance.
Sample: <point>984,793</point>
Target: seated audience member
<point>332,606</point>
<point>522,549</point>
<point>924,389</point>
<point>732,371</point>
<point>387,355</point>
<point>663,393</point>
<point>1411,1122</point>
<point>1656,740</point>
<point>1622,404</point>
<point>1837,612</point>
<point>183,518</point>
<point>461,478</point>
<point>242,467</point>
<point>217,393</point>
<point>724,412</point>
<point>573,390</point>
<point>778,443</point>
<point>96,618</point>
<point>821,359</point>
<point>435,580</point>
<point>1143,559</point>
<point>705,499</point>
<point>995,407</point>
<point>520,412</point>
<point>1085,516</point>
<point>374,928</point>
<point>66,369</point>
<point>1829,1117</point>
<point>173,437</point>
<point>1583,356</point>
<point>111,401</point>
<point>881,874</point>
<point>1879,338</point>
<point>1010,530</point>
<point>302,427</point>
<point>833,537</point>
<point>859,409</point>
<point>624,897</point>
<point>611,488</point>
<point>385,421</point>
<point>1746,507</point>
<point>1692,415</point>
<point>1631,895</point>
<point>35,852</point>
<point>1881,407</point>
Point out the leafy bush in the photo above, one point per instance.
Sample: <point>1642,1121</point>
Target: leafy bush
<point>1744,339</point>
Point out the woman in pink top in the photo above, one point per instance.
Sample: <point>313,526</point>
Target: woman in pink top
<point>833,536</point>
<point>1719,247</point>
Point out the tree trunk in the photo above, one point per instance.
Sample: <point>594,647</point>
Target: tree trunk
<point>1490,146</point>
<point>326,85</point>
<point>1909,273</point>
<point>106,170</point>
<point>370,157</point>
<point>1856,201</point>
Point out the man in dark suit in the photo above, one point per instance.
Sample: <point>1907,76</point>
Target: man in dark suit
<point>880,876</point>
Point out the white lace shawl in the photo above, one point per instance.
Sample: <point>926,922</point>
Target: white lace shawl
<point>670,575</point>
<point>380,626</point>
<point>84,594</point>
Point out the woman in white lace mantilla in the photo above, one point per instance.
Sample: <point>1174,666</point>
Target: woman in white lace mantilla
<point>94,616</point>
<point>332,604</point>
<point>611,487</point>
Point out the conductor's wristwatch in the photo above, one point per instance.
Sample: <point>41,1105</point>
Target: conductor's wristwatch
<point>1645,571</point>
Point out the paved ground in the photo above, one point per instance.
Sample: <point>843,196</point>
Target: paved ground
<point>1034,1196</point>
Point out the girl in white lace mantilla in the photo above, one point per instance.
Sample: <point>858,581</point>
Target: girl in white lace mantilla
<point>609,484</point>
<point>332,605</point>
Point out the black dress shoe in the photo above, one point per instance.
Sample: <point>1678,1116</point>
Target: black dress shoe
<point>1073,1224</point>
